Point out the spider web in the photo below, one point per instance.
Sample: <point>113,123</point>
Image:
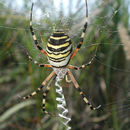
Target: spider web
<point>38,25</point>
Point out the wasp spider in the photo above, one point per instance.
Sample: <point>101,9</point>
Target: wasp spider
<point>59,53</point>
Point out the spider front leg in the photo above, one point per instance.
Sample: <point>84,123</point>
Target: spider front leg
<point>81,93</point>
<point>35,62</point>
<point>33,34</point>
<point>40,88</point>
<point>83,33</point>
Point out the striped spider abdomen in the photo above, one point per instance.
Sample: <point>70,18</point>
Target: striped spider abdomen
<point>59,49</point>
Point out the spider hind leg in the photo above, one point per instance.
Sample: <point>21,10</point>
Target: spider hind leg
<point>40,88</point>
<point>81,93</point>
<point>45,95</point>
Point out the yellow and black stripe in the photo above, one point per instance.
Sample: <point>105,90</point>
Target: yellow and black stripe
<point>59,49</point>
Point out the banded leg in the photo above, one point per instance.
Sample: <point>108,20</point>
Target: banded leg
<point>83,33</point>
<point>82,66</point>
<point>35,62</point>
<point>33,35</point>
<point>40,88</point>
<point>44,96</point>
<point>81,93</point>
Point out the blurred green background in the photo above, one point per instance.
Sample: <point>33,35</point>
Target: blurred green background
<point>105,82</point>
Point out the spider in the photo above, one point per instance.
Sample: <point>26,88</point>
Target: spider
<point>59,53</point>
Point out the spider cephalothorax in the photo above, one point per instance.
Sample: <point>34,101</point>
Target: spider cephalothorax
<point>59,53</point>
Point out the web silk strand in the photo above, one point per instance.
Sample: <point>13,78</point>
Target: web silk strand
<point>61,105</point>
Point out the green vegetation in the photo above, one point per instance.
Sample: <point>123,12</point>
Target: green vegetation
<point>105,82</point>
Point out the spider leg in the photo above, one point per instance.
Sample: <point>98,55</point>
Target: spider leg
<point>82,66</point>
<point>40,88</point>
<point>33,34</point>
<point>67,80</point>
<point>81,93</point>
<point>44,96</point>
<point>83,33</point>
<point>35,62</point>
